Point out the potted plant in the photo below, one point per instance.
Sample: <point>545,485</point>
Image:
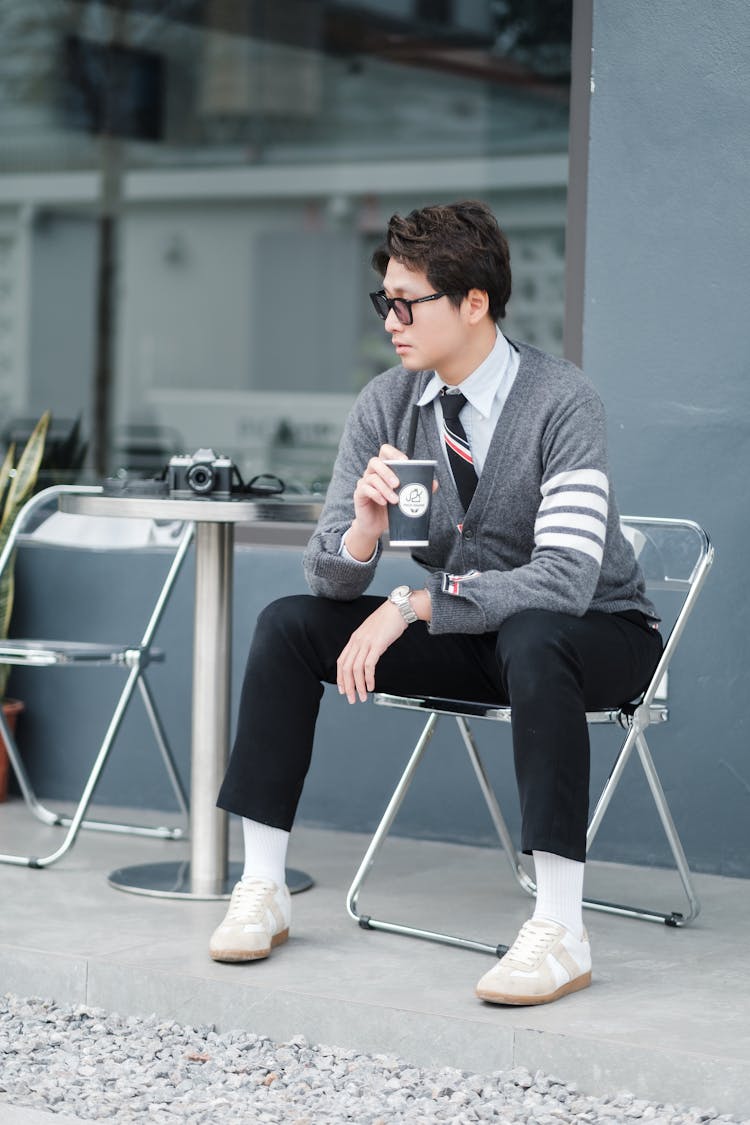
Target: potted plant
<point>17,482</point>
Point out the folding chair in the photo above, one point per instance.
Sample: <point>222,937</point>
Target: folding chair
<point>132,659</point>
<point>675,556</point>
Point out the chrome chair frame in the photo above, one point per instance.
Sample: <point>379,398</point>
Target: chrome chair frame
<point>133,659</point>
<point>635,718</point>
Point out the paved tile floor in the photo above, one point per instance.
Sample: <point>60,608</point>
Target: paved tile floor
<point>667,1017</point>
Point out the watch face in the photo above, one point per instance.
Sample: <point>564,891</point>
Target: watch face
<point>401,592</point>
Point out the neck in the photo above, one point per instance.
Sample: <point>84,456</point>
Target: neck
<point>478,348</point>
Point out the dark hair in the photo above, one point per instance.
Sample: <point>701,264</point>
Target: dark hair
<point>459,246</point>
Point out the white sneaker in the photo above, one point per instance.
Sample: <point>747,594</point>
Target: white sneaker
<point>545,962</point>
<point>257,919</point>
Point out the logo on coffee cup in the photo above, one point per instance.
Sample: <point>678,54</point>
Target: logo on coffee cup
<point>413,500</point>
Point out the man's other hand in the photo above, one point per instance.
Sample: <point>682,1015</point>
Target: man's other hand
<point>355,674</point>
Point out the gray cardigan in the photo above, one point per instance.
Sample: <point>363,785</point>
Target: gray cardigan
<point>542,531</point>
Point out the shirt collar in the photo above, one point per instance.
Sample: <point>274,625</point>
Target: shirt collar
<point>482,385</point>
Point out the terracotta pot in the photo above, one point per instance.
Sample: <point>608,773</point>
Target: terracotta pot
<point>12,708</point>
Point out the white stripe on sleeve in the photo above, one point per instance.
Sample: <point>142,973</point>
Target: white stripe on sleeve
<point>573,512</point>
<point>573,541</point>
<point>575,499</point>
<point>577,478</point>
<point>567,520</point>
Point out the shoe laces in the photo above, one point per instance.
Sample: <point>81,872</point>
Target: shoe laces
<point>534,941</point>
<point>249,900</point>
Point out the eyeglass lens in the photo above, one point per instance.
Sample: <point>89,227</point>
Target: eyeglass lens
<point>384,304</point>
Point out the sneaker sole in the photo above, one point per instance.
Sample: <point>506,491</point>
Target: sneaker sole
<point>236,955</point>
<point>574,985</point>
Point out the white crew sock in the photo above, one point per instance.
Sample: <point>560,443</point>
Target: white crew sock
<point>265,851</point>
<point>559,890</point>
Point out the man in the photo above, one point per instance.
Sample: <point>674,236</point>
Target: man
<point>531,596</point>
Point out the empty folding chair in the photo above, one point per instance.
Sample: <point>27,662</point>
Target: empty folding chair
<point>130,659</point>
<point>675,556</point>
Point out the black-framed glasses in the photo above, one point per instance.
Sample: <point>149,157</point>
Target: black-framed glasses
<point>400,305</point>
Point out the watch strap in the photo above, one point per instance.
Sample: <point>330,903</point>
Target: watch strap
<point>402,603</point>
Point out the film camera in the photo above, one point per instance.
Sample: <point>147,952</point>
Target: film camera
<point>200,474</point>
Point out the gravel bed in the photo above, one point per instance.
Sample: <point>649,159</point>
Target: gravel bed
<point>99,1066</point>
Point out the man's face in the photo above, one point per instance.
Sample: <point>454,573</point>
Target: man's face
<point>437,338</point>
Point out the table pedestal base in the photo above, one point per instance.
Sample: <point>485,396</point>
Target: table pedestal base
<point>172,880</point>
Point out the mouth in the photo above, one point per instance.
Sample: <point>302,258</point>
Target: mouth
<point>401,347</point>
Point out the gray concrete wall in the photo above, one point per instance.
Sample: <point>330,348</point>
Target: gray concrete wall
<point>665,338</point>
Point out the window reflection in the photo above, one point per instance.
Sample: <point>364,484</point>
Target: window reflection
<point>243,159</point>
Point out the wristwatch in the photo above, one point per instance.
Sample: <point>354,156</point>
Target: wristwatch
<point>400,598</point>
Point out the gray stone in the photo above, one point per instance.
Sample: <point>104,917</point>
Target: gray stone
<point>82,1061</point>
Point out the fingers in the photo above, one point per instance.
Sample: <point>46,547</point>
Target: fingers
<point>378,482</point>
<point>390,453</point>
<point>355,667</point>
<point>375,489</point>
<point>355,671</point>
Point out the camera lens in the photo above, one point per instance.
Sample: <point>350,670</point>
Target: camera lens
<point>200,478</point>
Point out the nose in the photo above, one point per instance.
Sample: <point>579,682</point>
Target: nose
<point>392,322</point>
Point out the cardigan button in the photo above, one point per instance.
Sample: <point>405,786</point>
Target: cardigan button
<point>468,533</point>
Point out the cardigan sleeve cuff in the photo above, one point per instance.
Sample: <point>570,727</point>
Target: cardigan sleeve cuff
<point>452,612</point>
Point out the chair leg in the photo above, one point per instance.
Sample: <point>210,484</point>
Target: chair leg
<point>673,918</point>
<point>161,741</point>
<point>521,876</point>
<point>670,831</point>
<point>78,821</point>
<point>609,789</point>
<point>45,815</point>
<point>365,920</point>
<point>635,739</point>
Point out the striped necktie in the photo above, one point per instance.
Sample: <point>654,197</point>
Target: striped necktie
<point>459,451</point>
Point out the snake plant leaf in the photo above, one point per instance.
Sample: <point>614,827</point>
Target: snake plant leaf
<point>5,469</point>
<point>6,606</point>
<point>16,486</point>
<point>6,584</point>
<point>27,470</point>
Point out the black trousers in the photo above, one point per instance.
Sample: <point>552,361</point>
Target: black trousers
<point>551,668</point>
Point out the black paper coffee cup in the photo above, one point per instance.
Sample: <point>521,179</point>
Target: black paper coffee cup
<point>409,519</point>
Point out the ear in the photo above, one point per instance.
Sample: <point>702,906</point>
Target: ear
<point>476,305</point>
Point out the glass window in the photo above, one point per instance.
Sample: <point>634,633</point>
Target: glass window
<point>190,193</point>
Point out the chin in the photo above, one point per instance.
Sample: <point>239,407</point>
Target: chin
<point>410,362</point>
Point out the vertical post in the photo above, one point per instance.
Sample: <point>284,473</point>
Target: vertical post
<point>581,79</point>
<point>105,315</point>
<point>211,684</point>
<point>110,200</point>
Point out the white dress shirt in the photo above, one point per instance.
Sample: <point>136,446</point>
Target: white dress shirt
<point>486,390</point>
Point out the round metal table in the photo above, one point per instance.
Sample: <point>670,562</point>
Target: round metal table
<point>207,874</point>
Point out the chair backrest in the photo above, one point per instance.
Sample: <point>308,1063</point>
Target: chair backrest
<point>31,511</point>
<point>47,498</point>
<point>675,556</point>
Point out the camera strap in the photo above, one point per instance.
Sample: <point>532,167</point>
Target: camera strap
<point>262,484</point>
